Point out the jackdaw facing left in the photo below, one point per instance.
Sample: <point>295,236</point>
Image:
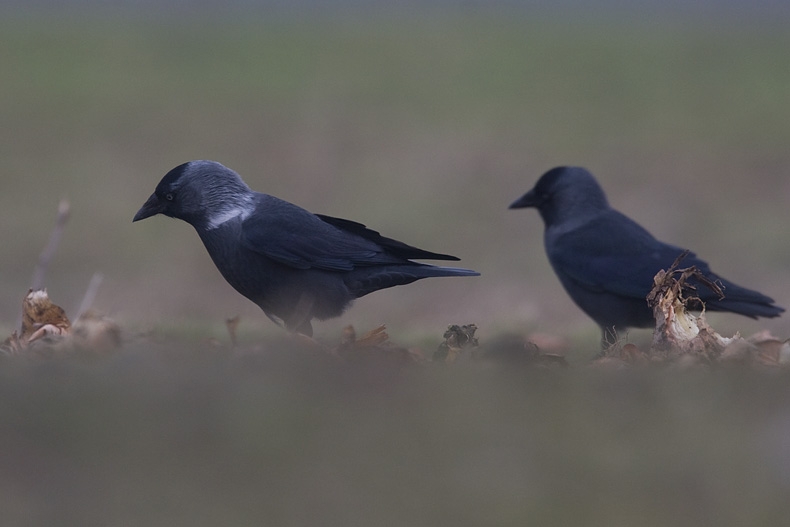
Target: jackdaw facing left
<point>293,264</point>
<point>607,262</point>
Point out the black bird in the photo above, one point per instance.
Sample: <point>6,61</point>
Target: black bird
<point>293,264</point>
<point>607,262</point>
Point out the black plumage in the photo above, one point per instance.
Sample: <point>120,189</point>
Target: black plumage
<point>294,264</point>
<point>607,262</point>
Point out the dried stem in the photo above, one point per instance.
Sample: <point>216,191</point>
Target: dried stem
<point>90,294</point>
<point>40,272</point>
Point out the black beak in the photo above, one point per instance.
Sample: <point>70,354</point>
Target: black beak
<point>151,207</point>
<point>527,200</point>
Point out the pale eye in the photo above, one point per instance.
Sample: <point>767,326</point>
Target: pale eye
<point>169,197</point>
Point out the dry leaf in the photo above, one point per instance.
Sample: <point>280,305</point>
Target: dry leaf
<point>374,344</point>
<point>677,330</point>
<point>41,318</point>
<point>12,345</point>
<point>621,354</point>
<point>456,340</point>
<point>95,333</point>
<point>47,332</point>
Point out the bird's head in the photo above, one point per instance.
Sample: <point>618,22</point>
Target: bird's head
<point>202,193</point>
<point>564,192</point>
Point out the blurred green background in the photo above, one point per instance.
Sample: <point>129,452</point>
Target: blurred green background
<point>423,123</point>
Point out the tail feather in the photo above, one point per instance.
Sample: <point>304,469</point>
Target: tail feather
<point>746,308</point>
<point>367,280</point>
<point>742,301</point>
<point>438,270</point>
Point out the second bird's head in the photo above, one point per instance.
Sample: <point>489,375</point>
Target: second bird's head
<point>561,192</point>
<point>205,194</point>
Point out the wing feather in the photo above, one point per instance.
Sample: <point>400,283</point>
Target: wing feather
<point>300,239</point>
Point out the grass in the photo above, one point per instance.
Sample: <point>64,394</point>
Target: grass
<point>170,434</point>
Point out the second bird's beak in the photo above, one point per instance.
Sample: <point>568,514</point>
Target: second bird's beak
<point>527,200</point>
<point>151,207</point>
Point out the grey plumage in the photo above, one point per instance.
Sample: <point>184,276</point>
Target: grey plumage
<point>294,264</point>
<point>607,262</point>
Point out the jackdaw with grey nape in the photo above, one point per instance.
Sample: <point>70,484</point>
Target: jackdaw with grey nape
<point>293,264</point>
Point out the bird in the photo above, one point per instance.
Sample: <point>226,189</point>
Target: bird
<point>606,261</point>
<point>295,265</point>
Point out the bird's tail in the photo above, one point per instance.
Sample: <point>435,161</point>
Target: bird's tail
<point>743,301</point>
<point>749,308</point>
<point>427,270</point>
<point>368,279</point>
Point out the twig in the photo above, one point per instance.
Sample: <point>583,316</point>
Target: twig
<point>232,324</point>
<point>37,282</point>
<point>90,294</point>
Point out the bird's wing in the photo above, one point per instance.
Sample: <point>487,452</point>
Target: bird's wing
<point>393,247</point>
<point>613,254</point>
<point>297,238</point>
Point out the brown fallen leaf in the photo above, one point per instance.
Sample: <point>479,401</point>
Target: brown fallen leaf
<point>375,337</point>
<point>514,349</point>
<point>47,331</point>
<point>374,344</point>
<point>549,343</point>
<point>677,330</point>
<point>41,317</point>
<point>456,340</point>
<point>689,340</point>
<point>372,338</point>
<point>12,345</point>
<point>760,350</point>
<point>95,333</point>
<point>621,354</point>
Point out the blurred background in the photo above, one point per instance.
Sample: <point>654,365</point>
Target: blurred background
<point>423,120</point>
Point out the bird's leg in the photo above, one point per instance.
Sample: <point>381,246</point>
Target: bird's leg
<point>276,320</point>
<point>608,337</point>
<point>302,327</point>
<point>299,321</point>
